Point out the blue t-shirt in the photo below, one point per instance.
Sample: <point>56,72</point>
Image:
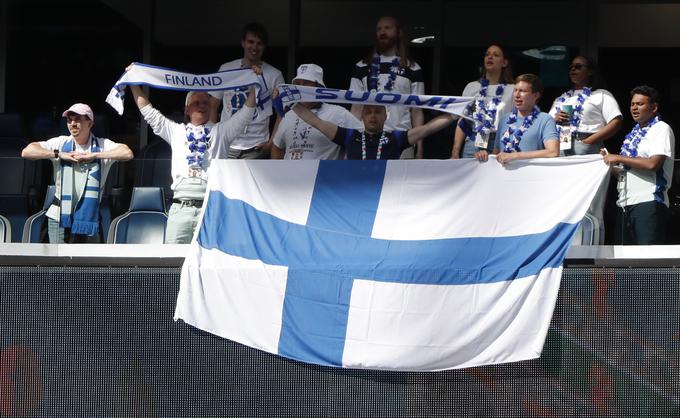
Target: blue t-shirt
<point>350,140</point>
<point>541,129</point>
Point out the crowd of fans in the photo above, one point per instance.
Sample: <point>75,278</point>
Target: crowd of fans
<point>503,121</point>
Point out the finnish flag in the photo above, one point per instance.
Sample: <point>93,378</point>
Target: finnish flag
<point>400,265</point>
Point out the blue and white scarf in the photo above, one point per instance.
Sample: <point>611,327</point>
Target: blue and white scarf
<point>629,148</point>
<point>290,93</point>
<point>374,74</point>
<point>484,115</point>
<point>169,79</point>
<point>513,136</point>
<point>84,219</point>
<point>198,142</point>
<point>575,120</point>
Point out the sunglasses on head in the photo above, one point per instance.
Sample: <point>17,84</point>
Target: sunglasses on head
<point>577,66</point>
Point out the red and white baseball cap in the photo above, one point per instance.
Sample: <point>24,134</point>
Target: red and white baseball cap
<point>80,109</point>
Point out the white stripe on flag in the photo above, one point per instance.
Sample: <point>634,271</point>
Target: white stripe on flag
<point>237,297</point>
<point>428,327</point>
<point>286,195</point>
<point>415,195</point>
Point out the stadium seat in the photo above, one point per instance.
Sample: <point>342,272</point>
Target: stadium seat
<point>5,230</point>
<point>155,167</point>
<point>19,193</point>
<point>145,222</point>
<point>33,226</point>
<point>588,232</point>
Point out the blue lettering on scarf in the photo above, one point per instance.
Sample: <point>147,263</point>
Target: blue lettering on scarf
<point>387,98</point>
<point>364,96</point>
<point>414,99</point>
<point>326,94</point>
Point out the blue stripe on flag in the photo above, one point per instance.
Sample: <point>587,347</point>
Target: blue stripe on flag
<point>346,196</point>
<point>237,228</point>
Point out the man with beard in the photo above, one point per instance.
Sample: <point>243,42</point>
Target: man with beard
<point>389,68</point>
<point>254,142</point>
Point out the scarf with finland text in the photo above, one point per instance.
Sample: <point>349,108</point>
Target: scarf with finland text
<point>169,79</point>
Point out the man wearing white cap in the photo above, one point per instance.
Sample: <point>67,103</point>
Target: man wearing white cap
<point>81,164</point>
<point>295,139</point>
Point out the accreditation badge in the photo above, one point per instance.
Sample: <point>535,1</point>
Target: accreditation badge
<point>482,140</point>
<point>565,138</point>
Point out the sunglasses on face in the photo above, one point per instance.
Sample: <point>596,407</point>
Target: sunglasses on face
<point>577,66</point>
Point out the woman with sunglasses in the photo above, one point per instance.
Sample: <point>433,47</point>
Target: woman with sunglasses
<point>493,99</point>
<point>586,117</point>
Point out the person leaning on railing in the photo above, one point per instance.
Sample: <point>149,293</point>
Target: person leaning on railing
<point>81,163</point>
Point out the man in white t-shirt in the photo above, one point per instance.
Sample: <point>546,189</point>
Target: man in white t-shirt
<point>389,68</point>
<point>645,169</point>
<point>81,163</point>
<point>254,142</point>
<point>295,139</point>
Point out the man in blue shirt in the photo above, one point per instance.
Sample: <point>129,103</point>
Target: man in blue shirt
<point>526,132</point>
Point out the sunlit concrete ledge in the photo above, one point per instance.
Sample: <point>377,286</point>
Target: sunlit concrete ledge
<point>172,255</point>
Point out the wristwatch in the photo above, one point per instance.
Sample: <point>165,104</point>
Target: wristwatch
<point>56,153</point>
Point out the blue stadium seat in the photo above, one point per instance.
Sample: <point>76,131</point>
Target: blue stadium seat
<point>19,193</point>
<point>33,227</point>
<point>155,167</point>
<point>145,222</point>
<point>5,230</point>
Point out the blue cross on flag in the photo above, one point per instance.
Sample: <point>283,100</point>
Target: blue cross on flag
<point>399,265</point>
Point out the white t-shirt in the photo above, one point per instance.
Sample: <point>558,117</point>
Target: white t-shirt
<point>79,170</point>
<point>473,88</point>
<point>599,109</point>
<point>257,131</point>
<point>175,134</point>
<point>639,186</point>
<point>303,142</point>
<point>407,81</point>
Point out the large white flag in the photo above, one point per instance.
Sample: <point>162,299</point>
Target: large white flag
<point>400,265</point>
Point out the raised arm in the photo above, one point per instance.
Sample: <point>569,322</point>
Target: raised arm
<point>140,98</point>
<point>327,128</point>
<point>419,132</point>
